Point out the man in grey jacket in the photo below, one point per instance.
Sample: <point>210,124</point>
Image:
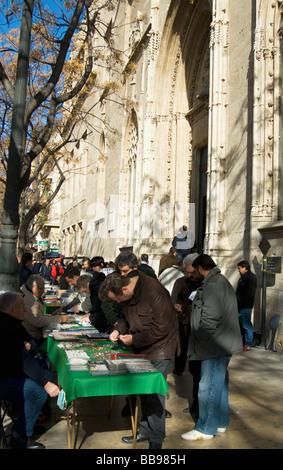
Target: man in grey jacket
<point>215,336</point>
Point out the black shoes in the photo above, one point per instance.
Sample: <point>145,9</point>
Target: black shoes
<point>187,410</point>
<point>168,414</point>
<point>193,411</point>
<point>140,438</point>
<point>25,443</point>
<point>130,439</point>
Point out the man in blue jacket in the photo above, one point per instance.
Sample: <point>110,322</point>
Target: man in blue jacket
<point>22,380</point>
<point>215,336</point>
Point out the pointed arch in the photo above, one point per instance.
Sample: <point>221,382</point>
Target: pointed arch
<point>182,112</point>
<point>128,179</point>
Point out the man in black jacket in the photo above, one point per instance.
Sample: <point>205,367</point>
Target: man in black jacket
<point>45,270</point>
<point>91,287</point>
<point>145,267</point>
<point>25,268</point>
<point>245,293</point>
<point>22,380</point>
<point>80,302</point>
<point>182,296</point>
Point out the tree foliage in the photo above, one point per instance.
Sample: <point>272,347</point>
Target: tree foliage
<point>61,76</point>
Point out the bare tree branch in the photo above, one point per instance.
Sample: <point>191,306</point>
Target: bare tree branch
<point>6,83</point>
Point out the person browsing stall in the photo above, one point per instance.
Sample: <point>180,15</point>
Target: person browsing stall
<point>34,317</point>
<point>215,336</point>
<point>22,380</point>
<point>150,326</point>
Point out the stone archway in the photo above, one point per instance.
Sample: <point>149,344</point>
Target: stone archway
<point>180,115</point>
<point>128,181</point>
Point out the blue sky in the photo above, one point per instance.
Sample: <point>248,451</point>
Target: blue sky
<point>5,26</point>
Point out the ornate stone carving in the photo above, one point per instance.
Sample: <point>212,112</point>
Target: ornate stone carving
<point>135,35</point>
<point>154,45</point>
<point>280,29</point>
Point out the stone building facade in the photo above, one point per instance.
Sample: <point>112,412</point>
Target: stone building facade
<point>191,136</point>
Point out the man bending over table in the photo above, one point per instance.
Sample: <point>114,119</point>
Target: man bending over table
<point>150,325</point>
<point>22,380</point>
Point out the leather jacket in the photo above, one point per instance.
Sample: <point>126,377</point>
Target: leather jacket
<point>150,317</point>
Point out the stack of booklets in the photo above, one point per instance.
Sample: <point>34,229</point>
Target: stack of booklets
<point>98,368</point>
<point>65,336</point>
<point>136,366</point>
<point>116,367</point>
<point>77,360</point>
<point>119,367</point>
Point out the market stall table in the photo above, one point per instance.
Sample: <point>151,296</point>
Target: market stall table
<point>79,384</point>
<point>51,302</point>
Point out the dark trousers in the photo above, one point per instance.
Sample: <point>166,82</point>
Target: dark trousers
<point>195,370</point>
<point>152,422</point>
<point>180,361</point>
<point>31,398</point>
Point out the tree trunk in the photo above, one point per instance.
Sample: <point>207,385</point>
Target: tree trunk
<point>10,215</point>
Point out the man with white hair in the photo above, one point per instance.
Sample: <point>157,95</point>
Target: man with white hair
<point>34,317</point>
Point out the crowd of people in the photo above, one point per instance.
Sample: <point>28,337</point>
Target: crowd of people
<point>187,312</point>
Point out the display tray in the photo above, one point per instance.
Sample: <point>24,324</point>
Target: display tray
<point>98,368</point>
<point>96,335</point>
<point>65,337</point>
<point>119,355</point>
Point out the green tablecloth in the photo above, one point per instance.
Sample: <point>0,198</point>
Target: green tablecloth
<point>83,384</point>
<point>49,309</point>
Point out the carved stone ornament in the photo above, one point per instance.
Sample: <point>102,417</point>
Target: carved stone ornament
<point>280,29</point>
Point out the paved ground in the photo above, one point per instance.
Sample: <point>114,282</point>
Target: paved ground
<point>256,412</point>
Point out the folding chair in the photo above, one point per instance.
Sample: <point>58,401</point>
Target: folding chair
<point>7,420</point>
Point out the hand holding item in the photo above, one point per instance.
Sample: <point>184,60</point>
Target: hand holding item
<point>114,336</point>
<point>52,389</point>
<point>85,318</point>
<point>27,345</point>
<point>178,307</point>
<point>64,318</point>
<point>126,339</point>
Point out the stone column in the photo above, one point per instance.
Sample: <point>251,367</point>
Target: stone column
<point>217,128</point>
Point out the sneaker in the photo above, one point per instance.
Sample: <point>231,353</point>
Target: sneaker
<point>195,435</point>
<point>222,430</point>
<point>247,348</point>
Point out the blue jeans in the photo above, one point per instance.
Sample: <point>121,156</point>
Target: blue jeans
<point>246,314</point>
<point>30,395</point>
<point>213,395</point>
